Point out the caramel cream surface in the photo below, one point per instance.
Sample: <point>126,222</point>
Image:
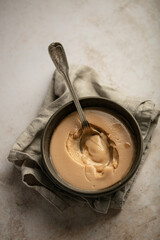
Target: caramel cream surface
<point>105,158</point>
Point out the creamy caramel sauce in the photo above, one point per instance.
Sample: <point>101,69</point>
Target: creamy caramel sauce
<point>105,159</point>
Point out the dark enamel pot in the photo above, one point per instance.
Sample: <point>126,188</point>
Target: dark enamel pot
<point>109,106</point>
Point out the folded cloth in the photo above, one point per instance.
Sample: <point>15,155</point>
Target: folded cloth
<point>26,152</point>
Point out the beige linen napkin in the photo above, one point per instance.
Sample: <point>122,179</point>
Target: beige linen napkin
<point>26,152</point>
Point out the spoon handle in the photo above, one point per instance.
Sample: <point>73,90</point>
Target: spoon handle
<point>59,58</point>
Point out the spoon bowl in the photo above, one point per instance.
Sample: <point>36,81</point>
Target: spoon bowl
<point>86,133</point>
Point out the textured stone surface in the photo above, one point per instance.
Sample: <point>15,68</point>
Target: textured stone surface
<point>121,40</point>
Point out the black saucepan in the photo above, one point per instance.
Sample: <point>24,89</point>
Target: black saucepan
<point>92,102</point>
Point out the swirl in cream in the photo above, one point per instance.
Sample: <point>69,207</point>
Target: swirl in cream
<point>106,157</point>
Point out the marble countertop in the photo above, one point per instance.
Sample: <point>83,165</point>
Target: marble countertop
<point>121,41</point>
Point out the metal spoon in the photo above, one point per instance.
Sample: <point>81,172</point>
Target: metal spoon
<point>59,58</point>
